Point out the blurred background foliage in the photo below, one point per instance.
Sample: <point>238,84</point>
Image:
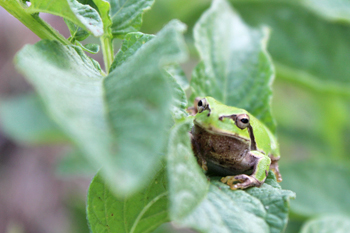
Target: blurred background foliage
<point>310,46</point>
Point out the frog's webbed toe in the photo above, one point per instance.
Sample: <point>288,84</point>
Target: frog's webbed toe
<point>274,168</point>
<point>244,181</point>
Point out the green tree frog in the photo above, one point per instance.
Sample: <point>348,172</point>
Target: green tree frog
<point>232,143</point>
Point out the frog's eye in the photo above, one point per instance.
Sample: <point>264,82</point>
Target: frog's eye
<point>202,105</point>
<point>242,121</point>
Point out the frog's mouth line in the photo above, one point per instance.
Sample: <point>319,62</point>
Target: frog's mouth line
<point>213,130</point>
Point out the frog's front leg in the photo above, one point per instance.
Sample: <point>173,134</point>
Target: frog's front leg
<point>257,178</point>
<point>274,167</point>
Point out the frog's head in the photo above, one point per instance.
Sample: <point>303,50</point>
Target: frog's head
<point>222,119</point>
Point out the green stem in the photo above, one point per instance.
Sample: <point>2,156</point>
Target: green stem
<point>107,50</point>
<point>32,21</point>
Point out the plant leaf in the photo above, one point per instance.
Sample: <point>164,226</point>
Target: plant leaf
<point>237,68</point>
<point>317,193</point>
<point>77,33</point>
<point>119,122</point>
<point>214,207</point>
<point>315,59</point>
<point>79,14</point>
<point>126,15</point>
<point>141,212</point>
<point>25,120</point>
<point>131,44</point>
<point>327,224</point>
<point>91,48</point>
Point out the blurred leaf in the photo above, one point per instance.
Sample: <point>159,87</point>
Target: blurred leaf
<point>235,67</point>
<point>142,212</point>
<point>126,15</point>
<point>322,188</point>
<point>176,71</point>
<point>91,48</point>
<point>139,112</point>
<point>24,119</point>
<point>327,224</point>
<point>214,207</point>
<point>82,15</point>
<point>128,143</point>
<point>179,103</point>
<point>307,49</point>
<point>132,43</point>
<point>75,163</point>
<point>338,10</point>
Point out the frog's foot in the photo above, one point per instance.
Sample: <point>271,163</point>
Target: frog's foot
<point>275,169</point>
<point>244,181</point>
<point>203,163</point>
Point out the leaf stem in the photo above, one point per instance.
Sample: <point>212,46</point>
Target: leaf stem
<point>107,50</point>
<point>32,21</point>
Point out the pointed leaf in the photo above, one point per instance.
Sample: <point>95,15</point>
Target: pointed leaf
<point>82,15</point>
<point>126,15</point>
<point>141,212</point>
<point>77,33</point>
<point>214,207</point>
<point>118,122</point>
<point>237,69</point>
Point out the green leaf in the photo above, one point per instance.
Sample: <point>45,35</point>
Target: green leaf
<point>235,67</point>
<point>131,44</point>
<point>91,48</point>
<point>120,122</point>
<point>214,207</point>
<point>327,224</point>
<point>25,120</point>
<point>141,212</point>
<point>176,71</point>
<point>322,188</point>
<point>329,9</point>
<point>77,33</point>
<point>315,59</point>
<point>126,15</point>
<point>82,15</point>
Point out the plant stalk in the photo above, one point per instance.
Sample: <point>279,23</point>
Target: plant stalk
<point>32,21</point>
<point>107,50</point>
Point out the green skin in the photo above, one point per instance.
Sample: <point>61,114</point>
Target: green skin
<point>218,125</point>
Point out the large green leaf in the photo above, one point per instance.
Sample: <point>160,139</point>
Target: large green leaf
<point>327,224</point>
<point>214,207</point>
<point>119,122</point>
<point>141,212</point>
<point>322,188</point>
<point>235,67</point>
<point>25,119</point>
<point>307,49</point>
<point>83,15</point>
<point>126,15</point>
<point>131,44</point>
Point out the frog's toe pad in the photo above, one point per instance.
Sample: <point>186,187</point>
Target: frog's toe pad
<point>244,181</point>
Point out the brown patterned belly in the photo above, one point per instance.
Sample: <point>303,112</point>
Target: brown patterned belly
<point>220,151</point>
